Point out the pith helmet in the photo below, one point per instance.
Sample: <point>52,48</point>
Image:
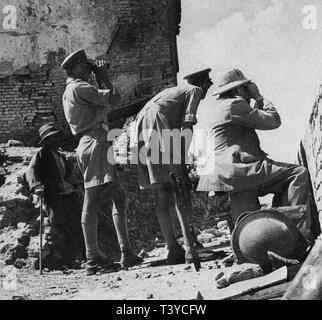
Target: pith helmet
<point>230,80</point>
<point>261,231</point>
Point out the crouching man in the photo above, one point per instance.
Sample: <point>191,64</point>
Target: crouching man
<point>237,164</point>
<point>49,176</point>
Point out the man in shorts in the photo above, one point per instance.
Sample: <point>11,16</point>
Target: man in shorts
<point>86,108</point>
<point>171,110</point>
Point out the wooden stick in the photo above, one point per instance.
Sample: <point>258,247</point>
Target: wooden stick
<point>181,208</point>
<point>40,240</point>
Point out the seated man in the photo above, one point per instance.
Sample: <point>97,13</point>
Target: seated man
<point>236,162</point>
<point>49,176</point>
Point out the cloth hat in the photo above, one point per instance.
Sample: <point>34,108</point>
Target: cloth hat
<point>46,131</point>
<point>74,58</point>
<point>230,80</point>
<point>199,75</point>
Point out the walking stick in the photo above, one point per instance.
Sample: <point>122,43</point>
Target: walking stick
<point>40,235</point>
<point>181,207</point>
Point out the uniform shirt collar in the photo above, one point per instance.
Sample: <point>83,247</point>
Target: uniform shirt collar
<point>70,79</point>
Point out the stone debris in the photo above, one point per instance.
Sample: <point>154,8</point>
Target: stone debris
<point>14,159</point>
<point>15,143</point>
<point>205,237</point>
<point>24,238</point>
<point>143,254</point>
<point>199,296</point>
<point>16,298</point>
<point>20,263</point>
<point>19,224</point>
<point>219,275</point>
<point>237,273</point>
<point>67,271</point>
<point>222,224</point>
<point>221,241</point>
<point>229,260</point>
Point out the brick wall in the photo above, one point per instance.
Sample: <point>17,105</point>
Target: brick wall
<point>137,37</point>
<point>29,100</point>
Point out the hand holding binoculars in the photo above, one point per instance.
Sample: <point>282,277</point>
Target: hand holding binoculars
<point>99,65</point>
<point>253,91</point>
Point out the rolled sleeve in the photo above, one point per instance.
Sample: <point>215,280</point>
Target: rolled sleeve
<point>93,96</point>
<point>266,119</point>
<point>192,102</point>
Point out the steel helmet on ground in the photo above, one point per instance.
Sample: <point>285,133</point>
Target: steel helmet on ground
<point>258,232</point>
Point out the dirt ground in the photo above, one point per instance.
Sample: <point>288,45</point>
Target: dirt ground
<point>180,282</point>
<point>144,282</point>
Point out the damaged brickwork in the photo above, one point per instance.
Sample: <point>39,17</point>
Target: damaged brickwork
<point>138,38</point>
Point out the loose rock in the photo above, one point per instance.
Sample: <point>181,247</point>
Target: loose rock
<point>20,251</point>
<point>20,263</point>
<point>238,273</point>
<point>24,239</point>
<point>15,143</point>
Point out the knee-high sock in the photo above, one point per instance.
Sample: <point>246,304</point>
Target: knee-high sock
<point>120,219</point>
<point>90,221</point>
<point>164,217</point>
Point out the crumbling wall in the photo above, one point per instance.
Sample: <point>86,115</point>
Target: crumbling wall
<point>138,37</point>
<point>311,150</point>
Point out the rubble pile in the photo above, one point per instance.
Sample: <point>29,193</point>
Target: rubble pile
<point>14,197</point>
<point>19,219</point>
<point>218,235</point>
<point>19,216</point>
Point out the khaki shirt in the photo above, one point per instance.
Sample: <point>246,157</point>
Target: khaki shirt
<point>179,104</point>
<point>85,106</point>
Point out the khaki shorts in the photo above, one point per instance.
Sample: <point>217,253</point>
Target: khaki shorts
<point>93,160</point>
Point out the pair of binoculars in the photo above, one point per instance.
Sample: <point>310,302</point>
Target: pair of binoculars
<point>94,67</point>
